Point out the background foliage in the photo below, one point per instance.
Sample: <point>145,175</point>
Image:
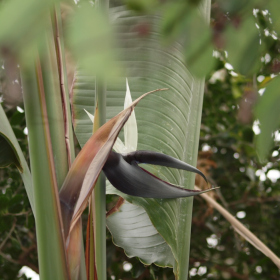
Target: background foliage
<point>228,143</point>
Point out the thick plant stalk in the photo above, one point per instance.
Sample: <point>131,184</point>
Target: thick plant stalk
<point>75,248</point>
<point>75,251</point>
<point>90,244</point>
<point>50,239</point>
<point>90,241</point>
<point>99,194</point>
<point>54,105</point>
<point>64,90</point>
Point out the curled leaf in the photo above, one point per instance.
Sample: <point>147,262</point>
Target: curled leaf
<point>124,173</point>
<point>8,153</point>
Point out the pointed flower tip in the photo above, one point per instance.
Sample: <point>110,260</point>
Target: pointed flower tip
<point>199,191</point>
<point>128,98</point>
<point>124,173</point>
<point>155,158</point>
<point>127,87</point>
<point>90,115</point>
<point>210,189</point>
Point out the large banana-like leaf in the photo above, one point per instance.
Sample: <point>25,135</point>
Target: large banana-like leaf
<point>168,123</point>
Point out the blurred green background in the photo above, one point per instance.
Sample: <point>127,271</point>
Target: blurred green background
<point>239,141</point>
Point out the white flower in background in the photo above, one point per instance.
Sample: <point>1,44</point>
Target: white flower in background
<point>130,128</point>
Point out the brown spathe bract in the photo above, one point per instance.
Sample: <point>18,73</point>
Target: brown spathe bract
<point>85,170</point>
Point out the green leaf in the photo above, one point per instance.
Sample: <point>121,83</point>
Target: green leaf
<point>10,152</point>
<point>139,237</point>
<point>268,113</point>
<point>83,99</point>
<point>233,6</point>
<point>243,46</point>
<point>168,123</point>
<point>273,8</point>
<point>21,26</point>
<point>142,6</point>
<point>186,23</point>
<point>51,254</point>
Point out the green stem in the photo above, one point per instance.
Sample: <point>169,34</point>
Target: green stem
<point>63,80</point>
<point>50,239</point>
<point>100,188</point>
<point>54,106</point>
<point>100,194</point>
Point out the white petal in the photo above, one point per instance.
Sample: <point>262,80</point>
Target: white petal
<point>130,128</point>
<point>90,115</point>
<point>119,146</point>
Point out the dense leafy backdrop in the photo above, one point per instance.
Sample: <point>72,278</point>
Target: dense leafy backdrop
<point>229,155</point>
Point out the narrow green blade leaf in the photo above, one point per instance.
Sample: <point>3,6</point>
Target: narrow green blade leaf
<point>10,152</point>
<point>49,229</point>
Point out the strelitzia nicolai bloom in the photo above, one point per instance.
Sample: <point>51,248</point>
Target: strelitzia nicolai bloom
<point>124,173</point>
<point>130,128</point>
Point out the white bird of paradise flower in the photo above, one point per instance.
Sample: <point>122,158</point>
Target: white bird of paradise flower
<point>130,128</point>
